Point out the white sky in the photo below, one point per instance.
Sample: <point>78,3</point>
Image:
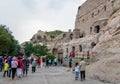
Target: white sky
<point>26,17</point>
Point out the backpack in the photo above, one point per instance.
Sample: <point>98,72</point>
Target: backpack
<point>18,65</point>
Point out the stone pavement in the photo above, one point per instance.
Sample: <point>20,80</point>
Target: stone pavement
<point>51,75</point>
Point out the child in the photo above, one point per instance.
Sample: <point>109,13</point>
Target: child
<point>76,71</point>
<point>6,68</point>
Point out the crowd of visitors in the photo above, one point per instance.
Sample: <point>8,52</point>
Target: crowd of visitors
<point>18,66</point>
<point>14,66</point>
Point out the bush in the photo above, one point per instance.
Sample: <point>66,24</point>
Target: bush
<point>50,56</point>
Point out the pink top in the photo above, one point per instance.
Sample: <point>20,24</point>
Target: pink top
<point>14,64</point>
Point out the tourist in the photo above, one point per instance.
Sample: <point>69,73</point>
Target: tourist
<point>49,62</point>
<point>1,63</point>
<point>9,62</point>
<point>43,62</point>
<point>70,62</point>
<point>34,64</point>
<point>14,65</point>
<point>72,54</point>
<point>20,67</point>
<point>6,68</point>
<point>55,62</point>
<point>82,69</point>
<point>38,62</point>
<point>26,66</point>
<point>58,62</point>
<point>76,71</point>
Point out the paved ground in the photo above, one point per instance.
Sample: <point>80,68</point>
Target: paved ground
<point>51,75</point>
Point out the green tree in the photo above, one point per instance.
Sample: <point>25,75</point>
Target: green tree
<point>28,49</point>
<point>14,48</point>
<point>40,50</point>
<point>5,38</point>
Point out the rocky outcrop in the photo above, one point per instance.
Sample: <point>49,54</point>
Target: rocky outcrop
<point>92,11</point>
<point>97,35</point>
<point>40,37</point>
<point>107,65</point>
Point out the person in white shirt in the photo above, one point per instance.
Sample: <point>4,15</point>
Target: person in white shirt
<point>76,71</point>
<point>82,69</point>
<point>14,65</point>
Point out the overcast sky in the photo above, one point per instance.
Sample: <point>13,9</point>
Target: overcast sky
<point>26,17</point>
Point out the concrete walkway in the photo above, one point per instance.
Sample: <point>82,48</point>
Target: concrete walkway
<point>51,75</point>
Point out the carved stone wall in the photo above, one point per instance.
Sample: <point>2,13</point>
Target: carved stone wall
<point>92,11</point>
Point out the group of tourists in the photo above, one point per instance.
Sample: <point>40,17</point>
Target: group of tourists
<point>52,62</point>
<point>18,66</point>
<point>14,66</point>
<point>79,66</point>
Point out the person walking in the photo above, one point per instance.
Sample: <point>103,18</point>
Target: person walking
<point>55,62</point>
<point>14,65</point>
<point>26,66</point>
<point>49,62</point>
<point>43,62</point>
<point>1,63</point>
<point>38,62</point>
<point>34,64</point>
<point>77,71</point>
<point>9,62</point>
<point>82,69</point>
<point>70,62</point>
<point>6,68</point>
<point>20,67</point>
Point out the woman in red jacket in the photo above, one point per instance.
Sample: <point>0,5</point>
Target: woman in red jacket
<point>20,67</point>
<point>38,62</point>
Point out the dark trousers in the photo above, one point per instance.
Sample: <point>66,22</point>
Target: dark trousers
<point>33,69</point>
<point>70,64</point>
<point>1,67</point>
<point>25,71</point>
<point>9,72</point>
<point>55,63</point>
<point>82,75</point>
<point>5,73</point>
<point>13,72</point>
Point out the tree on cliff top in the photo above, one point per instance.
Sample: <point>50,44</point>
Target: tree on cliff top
<point>55,33</point>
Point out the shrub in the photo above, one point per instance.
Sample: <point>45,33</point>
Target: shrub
<point>50,56</point>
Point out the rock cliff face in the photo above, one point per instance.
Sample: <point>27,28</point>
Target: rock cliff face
<point>92,11</point>
<point>54,44</point>
<point>97,35</point>
<point>106,67</point>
